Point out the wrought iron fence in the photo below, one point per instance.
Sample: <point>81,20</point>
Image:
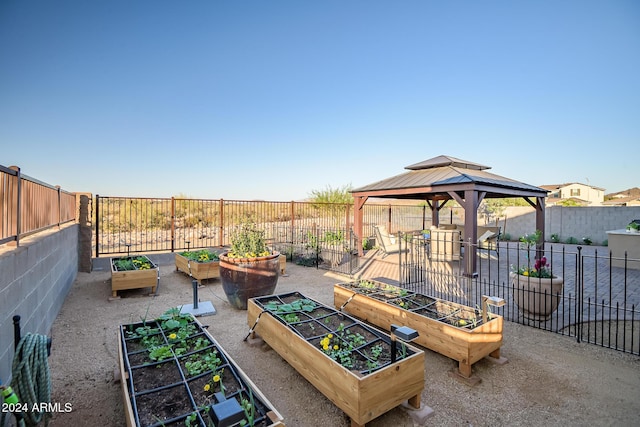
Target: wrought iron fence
<point>599,302</point>
<point>129,225</point>
<point>28,206</point>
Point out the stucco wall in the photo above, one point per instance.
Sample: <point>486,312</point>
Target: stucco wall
<point>34,281</point>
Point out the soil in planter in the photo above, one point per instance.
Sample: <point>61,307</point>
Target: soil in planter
<point>153,376</point>
<point>206,397</point>
<point>162,405</point>
<point>137,359</point>
<point>418,300</point>
<point>295,317</point>
<point>378,352</point>
<point>196,343</point>
<point>361,289</point>
<point>355,329</point>
<point>310,329</point>
<point>137,344</point>
<point>335,322</point>
<point>405,303</point>
<point>288,299</point>
<point>350,359</point>
<point>320,312</point>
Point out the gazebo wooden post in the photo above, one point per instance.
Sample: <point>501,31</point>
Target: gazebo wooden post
<point>540,226</point>
<point>435,213</point>
<point>470,203</point>
<point>539,207</point>
<point>470,232</point>
<point>358,203</point>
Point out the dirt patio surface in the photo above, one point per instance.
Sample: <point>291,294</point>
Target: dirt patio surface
<point>549,380</point>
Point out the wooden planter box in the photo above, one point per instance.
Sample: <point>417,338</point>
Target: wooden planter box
<point>176,393</point>
<point>134,279</point>
<point>454,330</point>
<point>198,270</point>
<point>362,395</point>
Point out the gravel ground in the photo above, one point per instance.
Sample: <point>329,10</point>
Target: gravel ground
<point>549,379</point>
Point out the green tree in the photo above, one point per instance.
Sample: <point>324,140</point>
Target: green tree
<point>333,195</point>
<point>333,201</point>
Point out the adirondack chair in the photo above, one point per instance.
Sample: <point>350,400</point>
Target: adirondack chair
<point>385,243</point>
<point>489,239</point>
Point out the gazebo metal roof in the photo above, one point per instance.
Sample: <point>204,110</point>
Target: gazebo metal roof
<point>445,178</point>
<point>435,178</point>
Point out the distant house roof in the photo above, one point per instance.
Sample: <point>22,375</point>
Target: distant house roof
<point>576,200</point>
<point>631,192</point>
<point>623,201</point>
<point>439,175</point>
<point>552,187</point>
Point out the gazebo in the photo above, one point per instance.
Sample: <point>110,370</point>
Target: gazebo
<point>444,178</point>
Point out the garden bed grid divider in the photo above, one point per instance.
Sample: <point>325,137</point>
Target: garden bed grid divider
<point>127,375</point>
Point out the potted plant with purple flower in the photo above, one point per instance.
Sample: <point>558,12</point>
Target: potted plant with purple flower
<point>536,289</point>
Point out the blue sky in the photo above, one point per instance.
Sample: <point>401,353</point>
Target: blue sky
<point>273,99</point>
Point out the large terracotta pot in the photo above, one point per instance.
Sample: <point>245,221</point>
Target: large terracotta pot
<point>537,298</point>
<point>245,278</point>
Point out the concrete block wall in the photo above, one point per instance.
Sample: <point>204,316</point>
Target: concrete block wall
<point>577,222</point>
<point>34,281</point>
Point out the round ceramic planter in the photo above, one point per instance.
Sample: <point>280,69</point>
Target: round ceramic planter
<point>536,297</point>
<point>245,278</point>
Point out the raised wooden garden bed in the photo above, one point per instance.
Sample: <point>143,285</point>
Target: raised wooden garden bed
<point>454,330</point>
<point>201,265</point>
<point>345,359</point>
<point>173,371</point>
<point>133,272</point>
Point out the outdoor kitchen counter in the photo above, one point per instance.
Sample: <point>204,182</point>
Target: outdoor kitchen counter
<point>621,241</point>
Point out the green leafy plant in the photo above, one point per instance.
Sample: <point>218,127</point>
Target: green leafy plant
<point>191,419</point>
<point>248,405</point>
<point>215,383</point>
<point>531,239</point>
<point>587,240</point>
<point>312,242</point>
<point>333,237</point>
<point>160,353</point>
<point>142,263</point>
<point>340,345</point>
<point>540,267</point>
<point>555,238</point>
<point>199,363</point>
<point>247,241</point>
<point>301,304</point>
<point>291,318</point>
<point>572,241</point>
<point>203,255</point>
<point>124,264</point>
<point>367,243</point>
<point>132,263</point>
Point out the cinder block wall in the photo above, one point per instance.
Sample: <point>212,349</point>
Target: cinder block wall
<point>34,281</point>
<point>577,222</point>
